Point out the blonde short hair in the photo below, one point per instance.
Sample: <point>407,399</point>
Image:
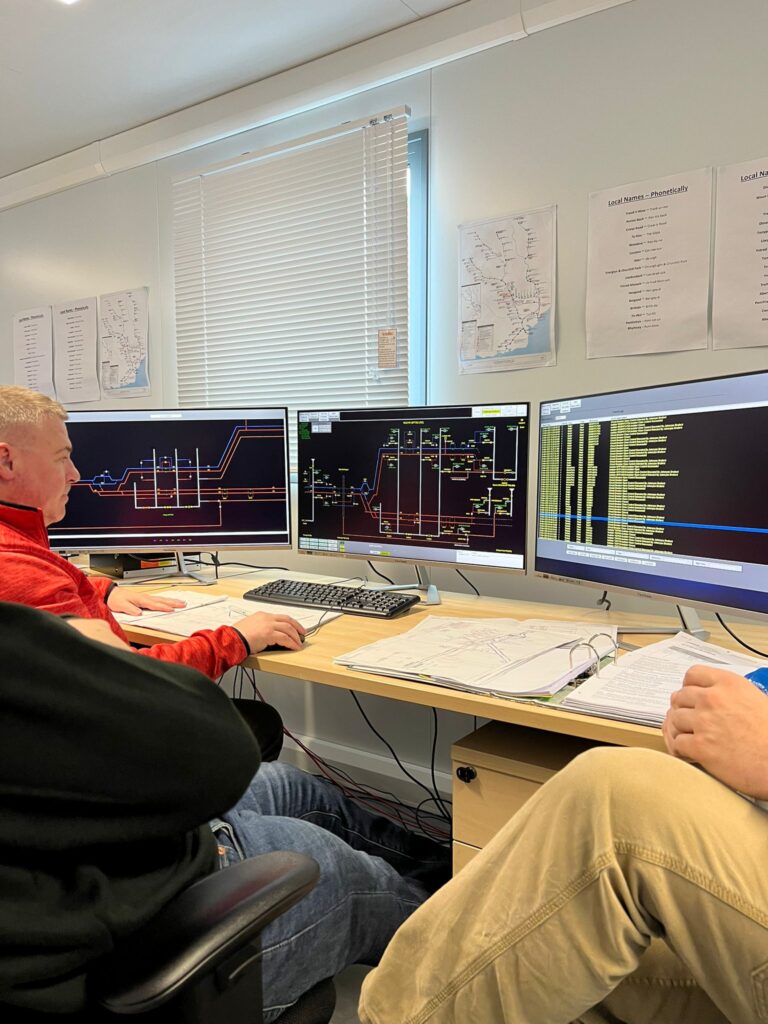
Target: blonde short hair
<point>22,407</point>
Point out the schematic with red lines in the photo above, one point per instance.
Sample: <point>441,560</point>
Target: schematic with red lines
<point>434,484</point>
<point>177,478</point>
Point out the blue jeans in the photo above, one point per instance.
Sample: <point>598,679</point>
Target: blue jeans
<point>373,875</point>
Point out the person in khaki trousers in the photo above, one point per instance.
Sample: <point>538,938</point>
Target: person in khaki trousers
<point>633,887</point>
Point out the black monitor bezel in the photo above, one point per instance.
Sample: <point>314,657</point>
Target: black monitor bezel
<point>404,559</point>
<point>107,547</point>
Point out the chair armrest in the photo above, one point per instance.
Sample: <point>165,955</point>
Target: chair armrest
<point>199,929</point>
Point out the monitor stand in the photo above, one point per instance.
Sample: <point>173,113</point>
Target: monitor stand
<point>689,623</point>
<point>185,570</point>
<point>423,584</point>
<point>115,565</point>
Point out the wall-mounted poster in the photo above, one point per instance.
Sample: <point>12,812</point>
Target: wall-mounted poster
<point>507,292</point>
<point>740,296</point>
<point>33,350</point>
<point>124,343</point>
<point>74,352</point>
<point>648,266</point>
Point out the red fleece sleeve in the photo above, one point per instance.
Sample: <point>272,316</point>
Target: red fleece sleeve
<point>210,651</point>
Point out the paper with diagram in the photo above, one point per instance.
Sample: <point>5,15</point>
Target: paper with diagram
<point>226,611</point>
<point>507,292</point>
<point>497,657</point>
<point>191,598</point>
<point>124,343</point>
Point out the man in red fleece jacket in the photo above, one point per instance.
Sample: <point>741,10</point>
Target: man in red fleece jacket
<point>36,473</point>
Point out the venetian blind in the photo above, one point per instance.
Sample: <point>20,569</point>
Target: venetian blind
<point>287,265</point>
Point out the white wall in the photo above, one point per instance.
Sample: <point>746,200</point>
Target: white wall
<point>88,241</point>
<point>648,88</point>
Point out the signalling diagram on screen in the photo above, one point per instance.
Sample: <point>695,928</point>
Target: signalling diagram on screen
<point>220,478</point>
<point>429,479</point>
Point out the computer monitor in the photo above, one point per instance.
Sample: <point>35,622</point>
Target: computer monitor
<point>177,480</point>
<point>440,485</point>
<point>659,490</point>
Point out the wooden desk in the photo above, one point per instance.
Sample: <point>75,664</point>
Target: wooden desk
<point>315,662</point>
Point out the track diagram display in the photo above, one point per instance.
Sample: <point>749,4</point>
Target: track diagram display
<point>180,478</point>
<point>427,484</point>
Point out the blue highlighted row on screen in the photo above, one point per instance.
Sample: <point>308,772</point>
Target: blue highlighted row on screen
<point>654,522</point>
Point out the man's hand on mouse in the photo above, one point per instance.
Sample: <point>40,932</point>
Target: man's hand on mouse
<point>263,630</point>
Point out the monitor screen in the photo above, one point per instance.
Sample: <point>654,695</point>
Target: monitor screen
<point>177,480</point>
<point>429,484</point>
<point>659,490</point>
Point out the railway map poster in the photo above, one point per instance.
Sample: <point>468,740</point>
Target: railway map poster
<point>123,343</point>
<point>507,292</point>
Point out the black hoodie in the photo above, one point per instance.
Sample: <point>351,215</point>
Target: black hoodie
<point>110,765</point>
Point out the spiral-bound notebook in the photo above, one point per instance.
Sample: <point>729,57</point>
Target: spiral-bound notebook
<point>498,657</point>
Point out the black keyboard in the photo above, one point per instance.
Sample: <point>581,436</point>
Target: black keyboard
<point>355,600</point>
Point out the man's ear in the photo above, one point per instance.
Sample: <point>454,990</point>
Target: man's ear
<point>6,461</point>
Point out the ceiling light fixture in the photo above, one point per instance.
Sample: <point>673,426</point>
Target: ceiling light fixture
<point>68,1</point>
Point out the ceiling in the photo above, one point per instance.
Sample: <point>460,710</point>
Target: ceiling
<point>71,75</point>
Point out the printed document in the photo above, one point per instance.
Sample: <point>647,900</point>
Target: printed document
<point>74,345</point>
<point>740,296</point>
<point>638,688</point>
<point>191,598</point>
<point>212,611</point>
<point>648,266</point>
<point>498,657</point>
<point>33,350</point>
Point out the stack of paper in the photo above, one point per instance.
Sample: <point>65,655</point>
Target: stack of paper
<point>498,657</point>
<point>639,687</point>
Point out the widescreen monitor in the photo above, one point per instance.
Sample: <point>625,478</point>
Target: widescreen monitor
<point>177,480</point>
<point>659,490</point>
<point>435,485</point>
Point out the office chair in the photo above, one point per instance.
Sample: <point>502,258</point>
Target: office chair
<point>198,960</point>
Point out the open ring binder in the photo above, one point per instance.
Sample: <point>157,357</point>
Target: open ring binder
<point>613,641</point>
<point>586,643</point>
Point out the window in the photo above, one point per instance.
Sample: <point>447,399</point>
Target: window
<point>288,264</point>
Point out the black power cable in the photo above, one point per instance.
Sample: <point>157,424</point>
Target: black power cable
<point>738,639</point>
<point>373,568</point>
<point>468,581</point>
<point>439,800</point>
<point>393,752</point>
<point>430,824</point>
